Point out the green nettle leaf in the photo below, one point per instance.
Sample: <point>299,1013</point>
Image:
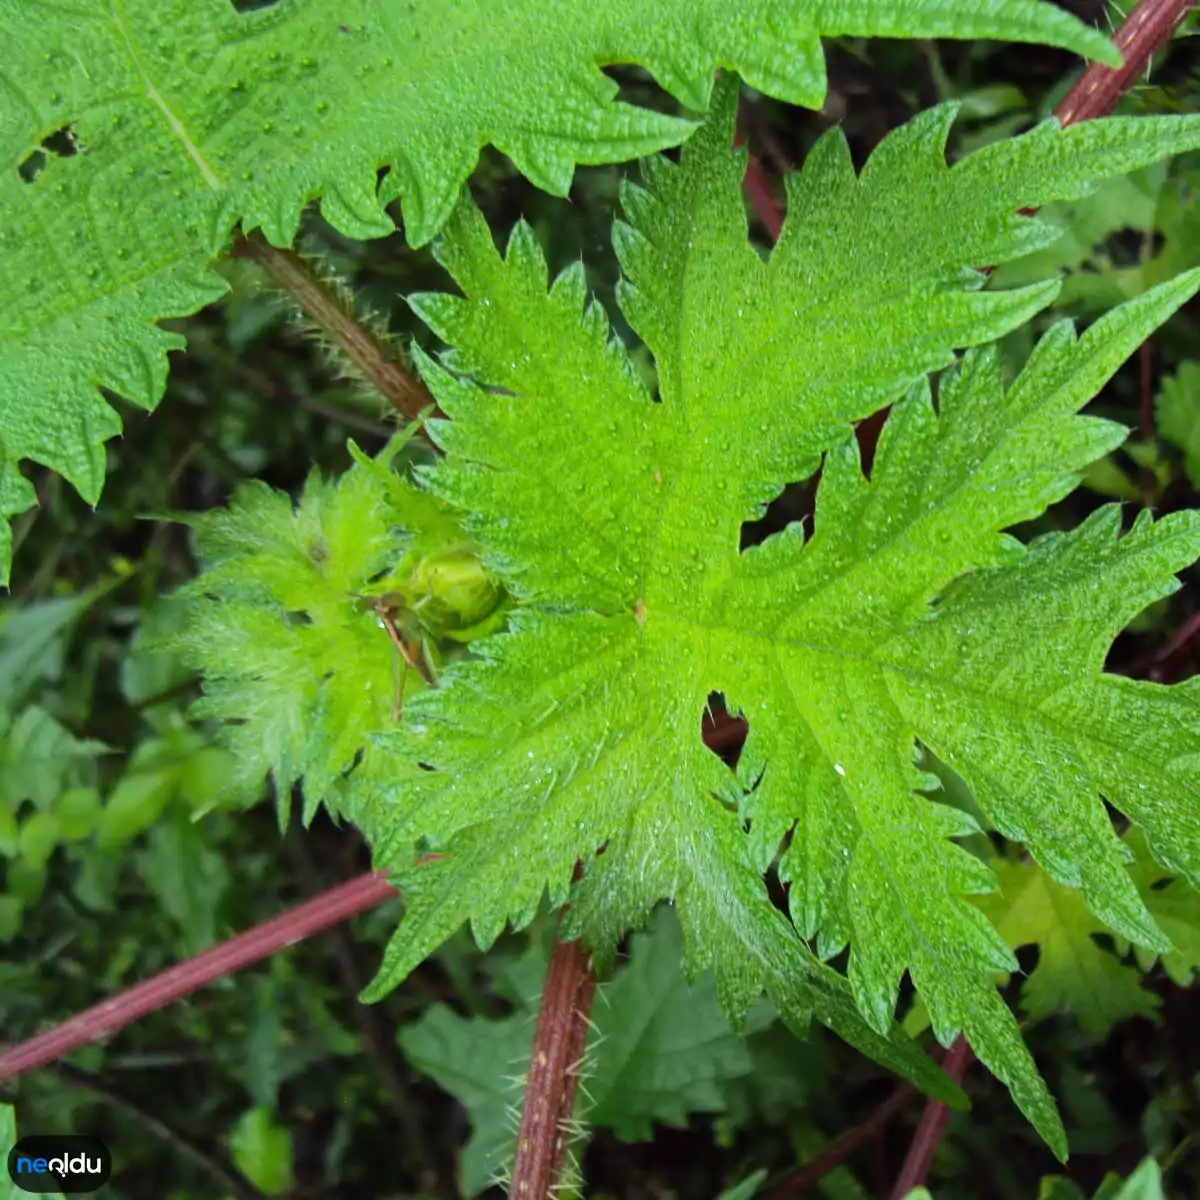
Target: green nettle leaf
<point>1094,281</point>
<point>1073,973</point>
<point>138,133</point>
<point>1177,411</point>
<point>481,1064</point>
<point>40,758</point>
<point>1175,906</point>
<point>663,1049</point>
<point>614,516</point>
<point>187,878</point>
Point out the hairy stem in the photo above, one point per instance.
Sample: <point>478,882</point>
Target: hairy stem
<point>289,272</point>
<point>558,1048</point>
<point>1142,35</point>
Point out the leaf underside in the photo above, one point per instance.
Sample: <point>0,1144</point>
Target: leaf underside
<point>188,117</point>
<point>907,616</point>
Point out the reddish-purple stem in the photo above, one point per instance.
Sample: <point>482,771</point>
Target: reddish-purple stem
<point>1146,409</point>
<point>271,936</point>
<point>1141,36</point>
<point>933,1124</point>
<point>559,1043</point>
<point>762,197</point>
<point>837,1152</point>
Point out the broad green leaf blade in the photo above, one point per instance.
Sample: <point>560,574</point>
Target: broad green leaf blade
<point>942,487</point>
<point>907,616</point>
<point>40,758</point>
<point>481,1064</point>
<point>187,117</point>
<point>671,844</point>
<point>663,1049</point>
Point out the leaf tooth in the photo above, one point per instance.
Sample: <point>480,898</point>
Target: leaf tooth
<point>918,147</point>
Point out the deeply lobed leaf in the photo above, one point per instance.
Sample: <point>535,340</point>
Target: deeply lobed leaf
<point>188,117</point>
<point>906,615</point>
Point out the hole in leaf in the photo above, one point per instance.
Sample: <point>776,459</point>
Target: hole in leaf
<point>724,733</point>
<point>794,503</point>
<point>1027,959</point>
<point>243,6</point>
<point>299,617</point>
<point>62,142</point>
<point>777,891</point>
<point>59,144</point>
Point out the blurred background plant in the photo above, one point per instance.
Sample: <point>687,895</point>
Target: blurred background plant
<point>123,847</point>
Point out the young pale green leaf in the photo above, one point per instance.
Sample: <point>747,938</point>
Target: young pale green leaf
<point>1073,974</point>
<point>616,520</point>
<point>262,1151</point>
<point>1144,1184</point>
<point>297,663</point>
<point>186,117</point>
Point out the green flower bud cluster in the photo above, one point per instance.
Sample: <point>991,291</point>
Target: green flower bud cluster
<point>452,595</point>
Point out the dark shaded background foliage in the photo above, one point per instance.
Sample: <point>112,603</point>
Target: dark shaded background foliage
<point>255,396</point>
